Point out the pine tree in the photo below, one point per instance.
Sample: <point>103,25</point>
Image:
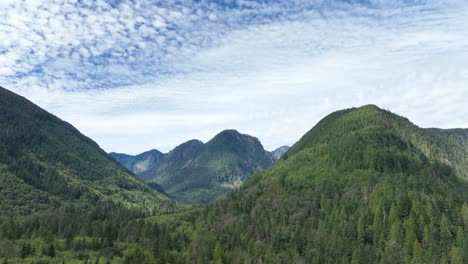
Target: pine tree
<point>394,234</point>
<point>356,258</point>
<point>51,251</point>
<point>410,234</point>
<point>417,253</point>
<point>445,233</point>
<point>464,214</point>
<point>217,254</point>
<point>455,255</point>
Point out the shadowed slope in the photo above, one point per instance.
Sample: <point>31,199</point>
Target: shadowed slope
<point>45,161</point>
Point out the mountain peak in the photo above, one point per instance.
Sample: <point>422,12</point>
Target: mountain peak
<point>229,133</point>
<point>189,148</point>
<point>191,143</point>
<point>372,107</point>
<point>200,173</point>
<point>234,138</point>
<point>141,162</point>
<point>367,119</point>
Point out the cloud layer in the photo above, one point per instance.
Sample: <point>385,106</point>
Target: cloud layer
<point>136,75</point>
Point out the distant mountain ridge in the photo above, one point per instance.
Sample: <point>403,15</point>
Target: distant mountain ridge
<point>195,172</point>
<point>200,173</point>
<point>141,162</point>
<point>279,152</point>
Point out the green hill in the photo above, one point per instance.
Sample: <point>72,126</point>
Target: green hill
<point>43,158</point>
<point>363,186</point>
<point>55,182</point>
<point>201,173</point>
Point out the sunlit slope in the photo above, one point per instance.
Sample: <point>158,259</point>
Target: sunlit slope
<point>363,186</point>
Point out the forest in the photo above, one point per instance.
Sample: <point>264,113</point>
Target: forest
<point>363,186</point>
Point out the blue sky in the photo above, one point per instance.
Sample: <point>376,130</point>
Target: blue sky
<point>136,75</point>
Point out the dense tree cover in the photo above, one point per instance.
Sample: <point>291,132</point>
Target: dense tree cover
<point>198,173</point>
<point>455,147</point>
<point>363,186</point>
<point>42,154</point>
<point>56,183</point>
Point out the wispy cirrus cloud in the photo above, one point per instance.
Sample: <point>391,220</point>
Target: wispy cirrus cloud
<point>136,75</point>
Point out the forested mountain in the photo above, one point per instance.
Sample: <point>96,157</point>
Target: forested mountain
<point>54,180</point>
<point>455,148</point>
<point>200,173</point>
<point>363,186</point>
<point>44,160</point>
<point>140,163</point>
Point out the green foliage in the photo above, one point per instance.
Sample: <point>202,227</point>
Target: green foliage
<point>57,184</point>
<point>198,173</point>
<point>363,186</point>
<point>46,162</point>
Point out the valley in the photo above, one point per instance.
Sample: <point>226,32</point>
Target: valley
<point>363,186</point>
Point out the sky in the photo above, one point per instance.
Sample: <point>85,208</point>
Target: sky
<point>139,75</point>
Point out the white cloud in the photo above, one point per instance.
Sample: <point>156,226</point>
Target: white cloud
<point>137,77</point>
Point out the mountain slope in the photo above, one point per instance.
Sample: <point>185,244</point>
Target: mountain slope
<point>140,163</point>
<point>49,162</point>
<point>455,148</point>
<point>200,173</point>
<point>279,152</point>
<point>363,186</point>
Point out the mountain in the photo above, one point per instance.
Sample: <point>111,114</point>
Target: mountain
<point>455,152</point>
<point>456,136</point>
<point>279,152</point>
<point>200,173</point>
<point>45,164</point>
<point>363,186</point>
<point>140,163</point>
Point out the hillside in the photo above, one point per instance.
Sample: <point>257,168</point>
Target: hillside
<point>200,173</point>
<point>363,186</point>
<point>454,148</point>
<point>45,162</point>
<point>140,163</point>
<point>63,197</point>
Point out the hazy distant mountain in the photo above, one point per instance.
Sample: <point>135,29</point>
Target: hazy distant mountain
<point>279,152</point>
<point>200,173</point>
<point>139,163</point>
